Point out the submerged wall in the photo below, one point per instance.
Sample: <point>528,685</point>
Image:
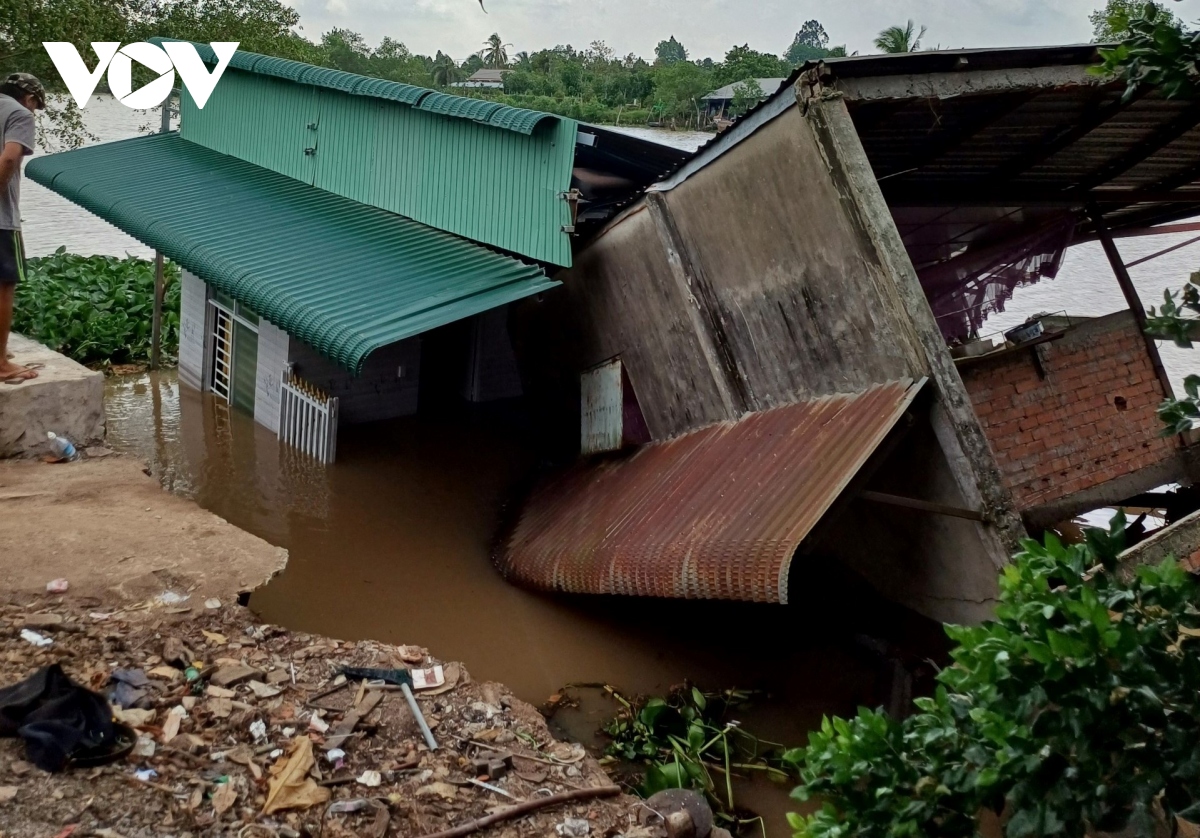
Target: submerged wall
<point>386,388</point>
<point>193,320</point>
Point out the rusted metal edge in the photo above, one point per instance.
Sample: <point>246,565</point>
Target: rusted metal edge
<point>714,514</point>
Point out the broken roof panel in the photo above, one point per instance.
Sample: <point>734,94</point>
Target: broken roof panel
<point>715,514</point>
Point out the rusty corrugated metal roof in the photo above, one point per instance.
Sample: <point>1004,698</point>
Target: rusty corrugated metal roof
<point>714,514</point>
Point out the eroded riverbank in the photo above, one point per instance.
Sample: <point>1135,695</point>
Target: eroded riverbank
<point>393,543</point>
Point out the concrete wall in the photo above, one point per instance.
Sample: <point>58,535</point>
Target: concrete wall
<point>66,398</point>
<point>931,563</point>
<point>193,312</point>
<point>492,372</point>
<point>273,355</point>
<point>1090,421</point>
<point>623,298</point>
<point>380,392</point>
<point>791,284</point>
<point>1180,541</point>
<point>748,285</point>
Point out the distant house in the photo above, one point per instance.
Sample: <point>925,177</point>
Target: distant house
<point>717,103</point>
<point>485,78</point>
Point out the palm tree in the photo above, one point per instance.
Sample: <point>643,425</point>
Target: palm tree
<point>494,52</point>
<point>896,39</point>
<point>445,71</point>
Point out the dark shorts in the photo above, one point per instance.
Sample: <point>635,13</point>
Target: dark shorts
<point>12,257</point>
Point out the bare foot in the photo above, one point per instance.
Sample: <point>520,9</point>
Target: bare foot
<point>11,373</point>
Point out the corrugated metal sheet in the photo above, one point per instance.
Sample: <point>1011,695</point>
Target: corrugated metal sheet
<point>500,187</point>
<point>715,514</point>
<point>501,116</point>
<point>344,277</point>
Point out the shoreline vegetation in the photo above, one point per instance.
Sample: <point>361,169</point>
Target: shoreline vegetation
<point>96,309</point>
<point>591,84</point>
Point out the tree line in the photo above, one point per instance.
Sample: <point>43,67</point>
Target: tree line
<point>593,83</point>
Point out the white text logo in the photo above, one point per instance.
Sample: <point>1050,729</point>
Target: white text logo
<point>118,60</point>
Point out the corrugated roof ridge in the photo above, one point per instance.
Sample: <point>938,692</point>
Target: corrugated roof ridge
<point>506,117</point>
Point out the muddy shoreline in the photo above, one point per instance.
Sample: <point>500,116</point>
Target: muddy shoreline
<point>154,588</point>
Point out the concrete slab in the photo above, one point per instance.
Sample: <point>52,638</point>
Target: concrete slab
<point>66,398</point>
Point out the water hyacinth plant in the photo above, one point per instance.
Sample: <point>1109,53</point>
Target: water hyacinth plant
<point>96,309</point>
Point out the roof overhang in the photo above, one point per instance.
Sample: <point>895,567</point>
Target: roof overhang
<point>715,514</point>
<point>344,277</point>
<point>1017,135</point>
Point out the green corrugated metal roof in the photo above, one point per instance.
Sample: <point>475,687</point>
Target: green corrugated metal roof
<point>464,176</point>
<point>507,117</point>
<point>343,277</point>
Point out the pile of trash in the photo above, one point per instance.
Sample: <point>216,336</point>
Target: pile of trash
<point>221,725</point>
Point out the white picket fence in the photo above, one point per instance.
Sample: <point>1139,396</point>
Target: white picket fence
<point>308,418</point>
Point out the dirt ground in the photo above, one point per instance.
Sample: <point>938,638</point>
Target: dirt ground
<point>113,532</point>
<point>256,756</point>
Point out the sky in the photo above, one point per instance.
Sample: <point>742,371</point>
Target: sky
<point>706,27</point>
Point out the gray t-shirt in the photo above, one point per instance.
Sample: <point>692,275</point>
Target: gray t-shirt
<point>16,126</point>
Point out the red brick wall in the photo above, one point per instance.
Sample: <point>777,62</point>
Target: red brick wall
<point>1071,431</point>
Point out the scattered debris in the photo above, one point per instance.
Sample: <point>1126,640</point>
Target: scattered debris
<point>234,674</point>
<point>212,604</point>
<point>35,638</point>
<point>290,786</point>
<point>573,828</point>
<point>170,597</point>
<point>346,807</point>
<point>57,586</point>
<point>259,736</point>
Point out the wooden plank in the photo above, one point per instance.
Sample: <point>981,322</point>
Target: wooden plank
<point>922,505</point>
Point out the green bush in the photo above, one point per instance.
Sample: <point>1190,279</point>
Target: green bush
<point>96,309</point>
<point>1076,709</point>
<point>635,116</point>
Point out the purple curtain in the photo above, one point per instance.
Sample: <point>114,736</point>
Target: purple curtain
<point>965,289</point>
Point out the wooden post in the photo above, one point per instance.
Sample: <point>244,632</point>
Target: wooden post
<point>159,280</point>
<point>1131,296</point>
<point>156,322</point>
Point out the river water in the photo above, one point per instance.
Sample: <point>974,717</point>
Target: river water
<point>395,541</point>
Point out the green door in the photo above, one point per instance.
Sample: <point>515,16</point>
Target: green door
<point>245,367</point>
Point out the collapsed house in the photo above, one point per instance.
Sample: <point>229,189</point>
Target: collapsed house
<point>759,356</point>
<point>782,308</point>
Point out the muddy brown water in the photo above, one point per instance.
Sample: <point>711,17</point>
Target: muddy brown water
<point>394,543</point>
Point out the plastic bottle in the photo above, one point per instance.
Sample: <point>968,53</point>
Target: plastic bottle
<point>62,446</point>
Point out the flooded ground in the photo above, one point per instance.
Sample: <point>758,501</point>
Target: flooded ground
<point>394,543</point>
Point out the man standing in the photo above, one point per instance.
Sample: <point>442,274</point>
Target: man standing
<point>20,95</point>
